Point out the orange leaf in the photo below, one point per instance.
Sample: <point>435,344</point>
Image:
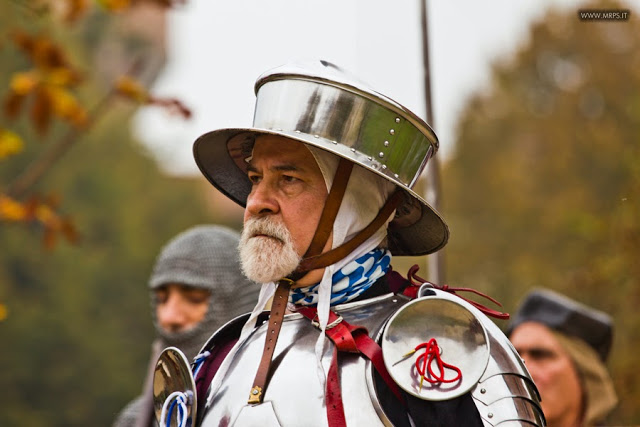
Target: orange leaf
<point>41,111</point>
<point>115,5</point>
<point>47,55</point>
<point>42,51</point>
<point>130,88</point>
<point>62,76</point>
<point>12,104</point>
<point>66,106</point>
<point>12,210</point>
<point>24,83</point>
<point>24,41</point>
<point>10,143</point>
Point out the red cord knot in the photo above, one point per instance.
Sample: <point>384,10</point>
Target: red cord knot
<point>424,364</point>
<point>418,281</point>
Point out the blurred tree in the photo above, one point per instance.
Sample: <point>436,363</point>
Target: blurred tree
<point>544,185</point>
<point>74,322</point>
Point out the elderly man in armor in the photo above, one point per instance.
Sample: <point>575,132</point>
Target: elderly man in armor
<point>565,345</point>
<point>326,175</point>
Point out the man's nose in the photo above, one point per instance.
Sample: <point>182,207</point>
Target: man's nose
<point>172,314</point>
<point>262,200</point>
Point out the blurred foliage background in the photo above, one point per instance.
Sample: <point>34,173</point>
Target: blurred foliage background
<point>542,191</point>
<point>75,329</point>
<point>544,187</point>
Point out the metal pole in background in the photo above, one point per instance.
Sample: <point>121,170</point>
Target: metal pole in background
<point>435,262</point>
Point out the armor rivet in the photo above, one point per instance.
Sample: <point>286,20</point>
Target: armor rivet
<point>381,154</point>
<point>316,136</point>
<point>392,132</point>
<point>406,184</point>
<point>386,143</point>
<point>397,119</point>
<point>394,300</point>
<point>483,390</point>
<point>384,166</point>
<point>395,174</point>
<point>296,131</point>
<point>490,415</point>
<point>353,150</point>
<point>254,392</point>
<point>335,142</point>
<point>369,158</point>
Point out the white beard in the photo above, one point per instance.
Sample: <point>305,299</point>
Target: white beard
<point>267,259</point>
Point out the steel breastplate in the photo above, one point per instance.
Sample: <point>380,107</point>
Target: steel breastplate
<point>503,391</point>
<point>293,390</point>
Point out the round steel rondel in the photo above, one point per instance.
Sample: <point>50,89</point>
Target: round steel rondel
<point>462,339</point>
<point>173,375</point>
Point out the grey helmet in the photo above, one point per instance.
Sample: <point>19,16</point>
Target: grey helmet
<point>321,105</point>
<point>206,257</point>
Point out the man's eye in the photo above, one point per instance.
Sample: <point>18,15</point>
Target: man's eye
<point>198,297</point>
<point>541,354</point>
<point>289,178</point>
<point>254,178</point>
<point>160,296</point>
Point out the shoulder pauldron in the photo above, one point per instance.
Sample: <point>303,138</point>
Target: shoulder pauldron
<point>438,347</point>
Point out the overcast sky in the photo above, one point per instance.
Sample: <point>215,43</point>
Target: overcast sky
<point>218,49</point>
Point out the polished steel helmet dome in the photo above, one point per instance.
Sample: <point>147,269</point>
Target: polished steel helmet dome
<point>321,105</point>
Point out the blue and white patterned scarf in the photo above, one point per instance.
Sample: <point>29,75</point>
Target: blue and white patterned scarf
<point>348,282</point>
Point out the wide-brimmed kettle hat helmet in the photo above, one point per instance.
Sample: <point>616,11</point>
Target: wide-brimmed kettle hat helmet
<point>321,105</point>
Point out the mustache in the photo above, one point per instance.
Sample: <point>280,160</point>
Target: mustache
<point>265,227</point>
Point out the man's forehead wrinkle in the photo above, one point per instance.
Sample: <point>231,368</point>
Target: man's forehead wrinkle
<point>287,167</point>
<point>277,165</point>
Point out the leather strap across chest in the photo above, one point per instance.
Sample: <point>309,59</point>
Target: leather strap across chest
<point>278,308</point>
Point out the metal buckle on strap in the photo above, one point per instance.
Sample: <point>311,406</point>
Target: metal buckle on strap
<point>329,325</point>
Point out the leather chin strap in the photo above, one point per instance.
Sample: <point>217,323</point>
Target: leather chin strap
<point>327,218</point>
<point>314,259</point>
<point>336,254</point>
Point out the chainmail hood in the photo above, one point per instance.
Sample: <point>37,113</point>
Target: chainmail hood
<point>205,257</point>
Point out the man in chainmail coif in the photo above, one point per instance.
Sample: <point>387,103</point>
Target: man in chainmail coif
<point>196,286</point>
